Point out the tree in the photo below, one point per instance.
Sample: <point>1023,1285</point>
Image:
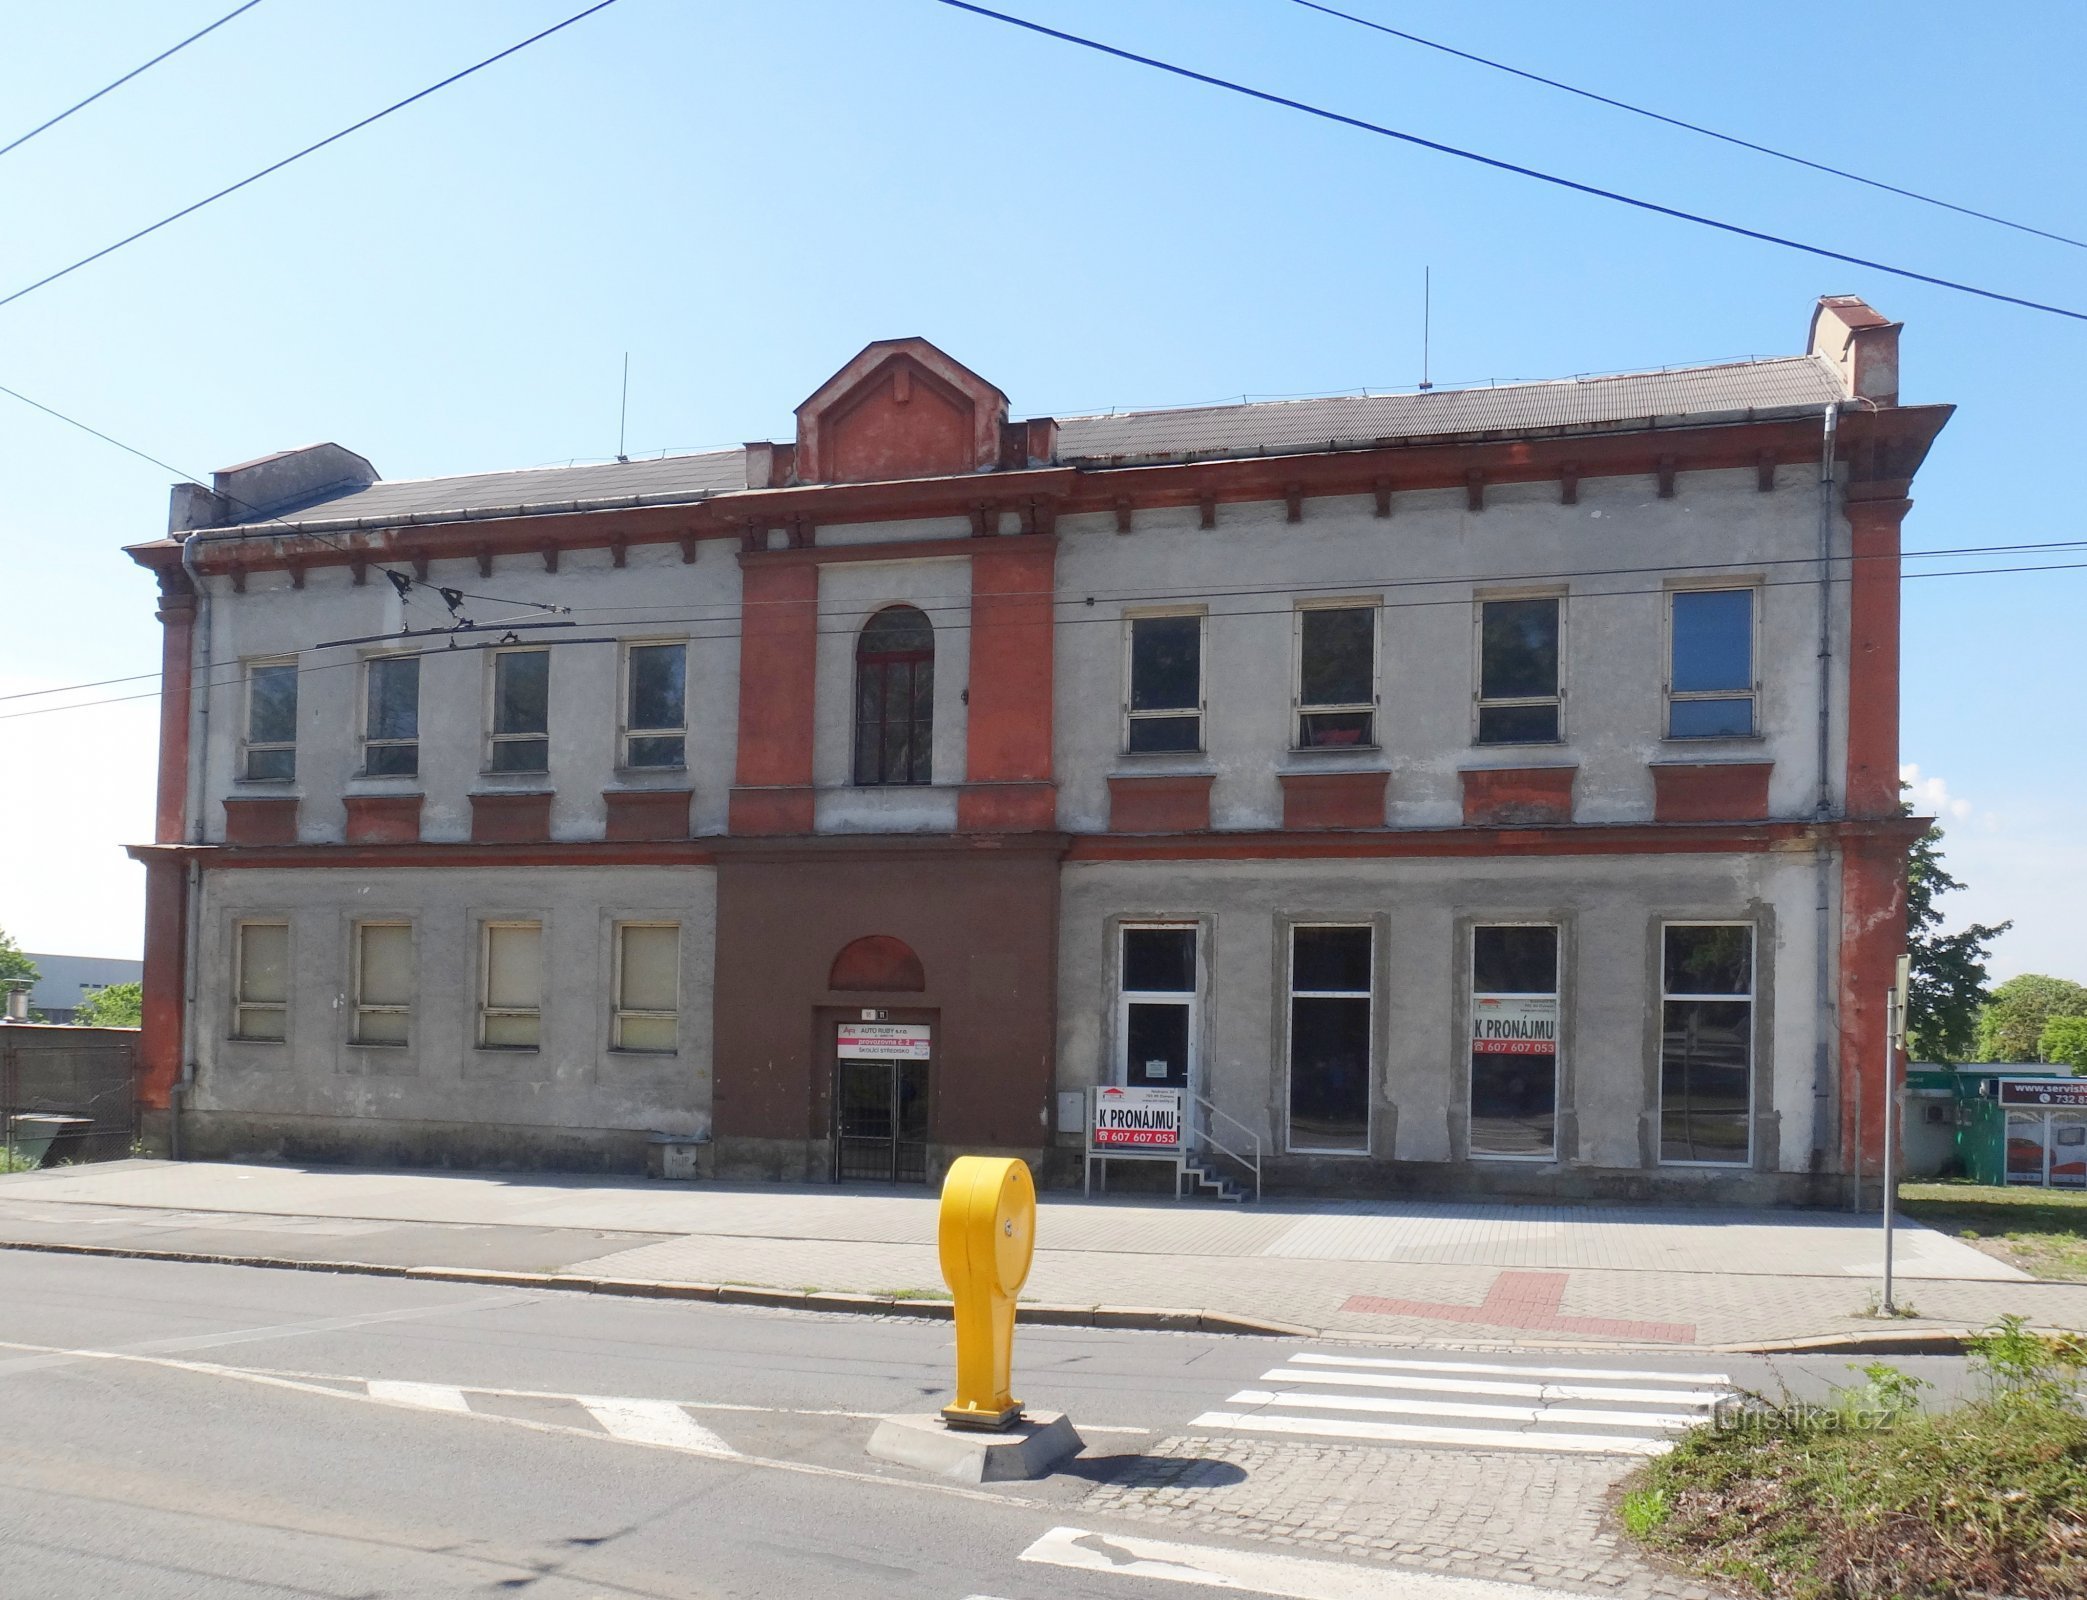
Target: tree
<point>1947,991</point>
<point>114,1005</point>
<point>2063,1043</point>
<point>13,964</point>
<point>2012,1024</point>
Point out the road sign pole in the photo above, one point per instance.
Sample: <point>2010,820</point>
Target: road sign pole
<point>1894,1035</point>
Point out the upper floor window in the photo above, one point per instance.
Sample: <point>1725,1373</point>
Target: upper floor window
<point>655,705</point>
<point>261,980</point>
<point>1710,670</point>
<point>271,719</point>
<point>895,698</point>
<point>1336,676</point>
<point>521,720</point>
<point>391,717</point>
<point>1164,709</point>
<point>1518,681</point>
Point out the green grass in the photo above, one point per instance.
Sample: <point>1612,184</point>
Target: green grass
<point>1873,1497</point>
<point>15,1161</point>
<point>913,1294</point>
<point>2042,1231</point>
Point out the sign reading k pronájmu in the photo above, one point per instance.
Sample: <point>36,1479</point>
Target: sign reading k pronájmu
<point>1515,1024</point>
<point>1147,1117</point>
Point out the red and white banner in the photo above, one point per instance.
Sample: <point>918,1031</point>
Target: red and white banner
<point>1148,1117</point>
<point>884,1041</point>
<point>1515,1024</point>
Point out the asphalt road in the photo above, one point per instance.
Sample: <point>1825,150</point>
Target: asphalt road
<point>183,1430</point>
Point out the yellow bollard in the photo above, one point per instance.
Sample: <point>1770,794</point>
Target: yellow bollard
<point>986,1234</point>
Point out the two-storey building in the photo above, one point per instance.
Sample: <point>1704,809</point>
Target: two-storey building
<point>1488,789</point>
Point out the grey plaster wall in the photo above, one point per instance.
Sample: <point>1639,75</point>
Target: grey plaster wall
<point>1609,908</point>
<point>575,1084</point>
<point>1253,569</point>
<point>656,596</point>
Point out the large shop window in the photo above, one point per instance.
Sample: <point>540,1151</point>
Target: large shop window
<point>510,1010</point>
<point>1330,1039</point>
<point>655,705</point>
<point>1514,1040</point>
<point>1336,676</point>
<point>895,699</point>
<point>1156,1022</point>
<point>271,720</point>
<point>383,982</point>
<point>1710,668</point>
<point>391,717</point>
<point>261,980</point>
<point>1706,1056</point>
<point>521,720</point>
<point>1518,652</point>
<point>648,987</point>
<point>1164,707</point>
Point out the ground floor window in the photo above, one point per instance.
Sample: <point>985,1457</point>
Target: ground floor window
<point>383,982</point>
<point>1706,1042</point>
<point>1514,1040</point>
<point>261,980</point>
<point>1330,1038</point>
<point>648,986</point>
<point>1156,1020</point>
<point>510,1013</point>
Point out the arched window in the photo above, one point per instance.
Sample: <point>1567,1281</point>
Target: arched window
<point>895,698</point>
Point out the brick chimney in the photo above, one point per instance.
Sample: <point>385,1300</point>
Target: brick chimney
<point>1861,343</point>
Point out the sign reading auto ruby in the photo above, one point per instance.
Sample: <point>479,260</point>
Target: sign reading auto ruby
<point>885,1041</point>
<point>1149,1117</point>
<point>1515,1024</point>
<point>2042,1092</point>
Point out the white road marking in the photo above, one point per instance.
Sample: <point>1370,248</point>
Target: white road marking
<point>1313,1358</point>
<point>1526,1391</point>
<point>658,1422</point>
<point>1298,1577</point>
<point>1647,1421</point>
<point>1413,1433</point>
<point>429,1396</point>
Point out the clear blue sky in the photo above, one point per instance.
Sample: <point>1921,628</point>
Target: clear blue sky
<point>741,193</point>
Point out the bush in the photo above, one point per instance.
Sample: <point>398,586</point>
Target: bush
<point>115,1005</point>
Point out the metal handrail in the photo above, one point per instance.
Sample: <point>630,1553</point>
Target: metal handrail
<point>1251,1162</point>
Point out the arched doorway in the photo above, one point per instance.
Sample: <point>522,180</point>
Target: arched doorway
<point>882,1059</point>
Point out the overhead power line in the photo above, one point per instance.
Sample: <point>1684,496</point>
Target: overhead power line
<point>1309,109</point>
<point>1691,127</point>
<point>310,149</point>
<point>82,105</point>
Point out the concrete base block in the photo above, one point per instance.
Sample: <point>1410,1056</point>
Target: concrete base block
<point>1029,1449</point>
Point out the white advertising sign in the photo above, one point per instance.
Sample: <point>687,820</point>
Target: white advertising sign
<point>1147,1117</point>
<point>1515,1024</point>
<point>884,1041</point>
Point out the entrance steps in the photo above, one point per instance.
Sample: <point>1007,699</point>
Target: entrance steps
<point>1207,1183</point>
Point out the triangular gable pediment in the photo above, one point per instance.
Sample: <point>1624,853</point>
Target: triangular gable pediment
<point>900,409</point>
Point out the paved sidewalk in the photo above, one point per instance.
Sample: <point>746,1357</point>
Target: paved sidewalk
<point>1468,1273</point>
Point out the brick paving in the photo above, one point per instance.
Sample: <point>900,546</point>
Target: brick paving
<point>1511,1517</point>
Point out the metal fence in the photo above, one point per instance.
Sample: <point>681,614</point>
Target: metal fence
<point>66,1095</point>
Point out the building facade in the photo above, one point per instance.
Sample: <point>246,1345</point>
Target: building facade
<point>1480,790</point>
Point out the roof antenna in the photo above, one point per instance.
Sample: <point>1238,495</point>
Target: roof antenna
<point>1427,298</point>
<point>623,408</point>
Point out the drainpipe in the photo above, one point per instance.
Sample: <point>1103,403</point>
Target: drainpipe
<point>198,767</point>
<point>1824,1099</point>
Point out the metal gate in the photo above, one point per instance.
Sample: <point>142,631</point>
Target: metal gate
<point>64,1099</point>
<point>881,1108</point>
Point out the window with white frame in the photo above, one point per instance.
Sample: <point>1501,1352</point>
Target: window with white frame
<point>1156,1008</point>
<point>391,717</point>
<point>383,982</point>
<point>271,720</point>
<point>1519,695</point>
<point>1706,1053</point>
<point>1336,676</point>
<point>1330,992</point>
<point>521,711</point>
<point>648,987</point>
<point>655,705</point>
<point>261,980</point>
<point>1163,673</point>
<point>510,1008</point>
<point>1710,663</point>
<point>1514,1040</point>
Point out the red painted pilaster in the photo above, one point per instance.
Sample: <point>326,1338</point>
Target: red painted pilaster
<point>1007,763</point>
<point>166,946</point>
<point>1873,933</point>
<point>177,619</point>
<point>778,676</point>
<point>1873,657</point>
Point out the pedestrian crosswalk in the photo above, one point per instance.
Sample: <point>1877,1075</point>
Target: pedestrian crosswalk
<point>1472,1405</point>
